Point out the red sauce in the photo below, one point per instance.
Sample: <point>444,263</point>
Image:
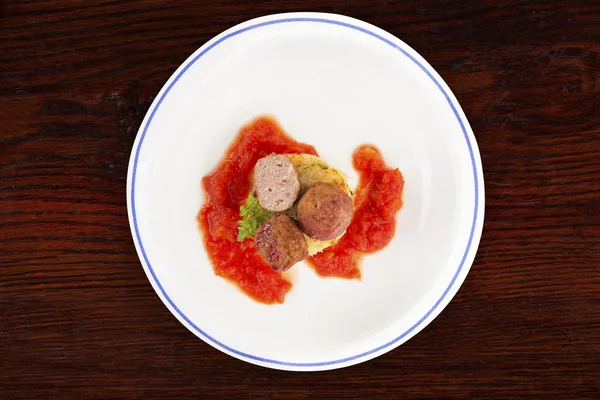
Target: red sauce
<point>226,189</point>
<point>376,201</point>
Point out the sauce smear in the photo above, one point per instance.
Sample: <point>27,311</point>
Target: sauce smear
<point>376,201</point>
<point>226,189</point>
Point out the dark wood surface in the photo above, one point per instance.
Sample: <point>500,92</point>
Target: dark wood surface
<point>78,318</point>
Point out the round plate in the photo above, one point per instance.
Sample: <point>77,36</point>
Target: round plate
<point>334,82</point>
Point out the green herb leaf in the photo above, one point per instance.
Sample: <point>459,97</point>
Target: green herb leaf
<point>253,215</point>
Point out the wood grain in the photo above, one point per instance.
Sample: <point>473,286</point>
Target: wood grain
<point>78,318</point>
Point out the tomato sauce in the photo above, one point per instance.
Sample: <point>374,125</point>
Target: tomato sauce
<point>376,201</point>
<point>226,189</point>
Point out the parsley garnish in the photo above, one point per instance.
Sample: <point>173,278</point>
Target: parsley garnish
<point>253,215</point>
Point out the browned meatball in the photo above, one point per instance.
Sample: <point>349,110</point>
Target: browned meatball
<point>280,242</point>
<point>276,182</point>
<point>324,211</point>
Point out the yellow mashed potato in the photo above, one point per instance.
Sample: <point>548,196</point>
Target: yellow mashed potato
<point>311,169</point>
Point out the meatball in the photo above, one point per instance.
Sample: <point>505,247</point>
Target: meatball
<point>325,211</point>
<point>276,182</point>
<point>280,242</point>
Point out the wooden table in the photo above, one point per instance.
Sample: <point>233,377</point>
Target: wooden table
<point>78,318</point>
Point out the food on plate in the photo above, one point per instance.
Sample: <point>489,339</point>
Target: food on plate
<point>280,242</point>
<point>320,217</point>
<point>272,202</point>
<point>276,182</point>
<point>324,211</point>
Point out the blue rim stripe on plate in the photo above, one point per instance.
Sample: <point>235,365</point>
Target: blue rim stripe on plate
<point>462,126</point>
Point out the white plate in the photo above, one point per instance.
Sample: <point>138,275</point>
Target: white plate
<point>334,82</point>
